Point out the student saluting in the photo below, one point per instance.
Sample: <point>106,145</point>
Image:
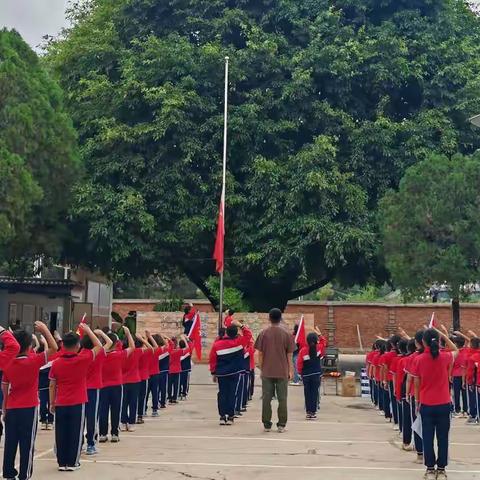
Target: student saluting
<point>431,371</point>
<point>68,396</point>
<point>20,402</point>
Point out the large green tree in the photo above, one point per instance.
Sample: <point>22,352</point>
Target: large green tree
<point>38,159</point>
<point>330,102</point>
<point>431,227</point>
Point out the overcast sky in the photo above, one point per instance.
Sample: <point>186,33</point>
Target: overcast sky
<point>33,18</point>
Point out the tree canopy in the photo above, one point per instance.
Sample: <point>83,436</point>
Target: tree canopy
<point>330,102</point>
<point>431,226</point>
<point>38,159</point>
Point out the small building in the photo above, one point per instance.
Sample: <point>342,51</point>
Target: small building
<point>59,302</point>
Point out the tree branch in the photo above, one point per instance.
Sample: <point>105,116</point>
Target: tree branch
<point>199,282</point>
<point>310,288</point>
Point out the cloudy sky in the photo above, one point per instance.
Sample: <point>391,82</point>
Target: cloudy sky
<point>33,18</point>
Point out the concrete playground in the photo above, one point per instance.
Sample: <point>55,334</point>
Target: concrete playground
<point>348,441</point>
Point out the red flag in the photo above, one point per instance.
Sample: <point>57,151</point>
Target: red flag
<point>433,323</point>
<point>195,334</point>
<point>218,253</point>
<point>83,320</point>
<point>300,337</point>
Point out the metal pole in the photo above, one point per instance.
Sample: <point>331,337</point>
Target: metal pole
<point>224,179</point>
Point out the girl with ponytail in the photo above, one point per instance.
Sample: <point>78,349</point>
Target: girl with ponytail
<point>431,372</point>
<point>309,365</point>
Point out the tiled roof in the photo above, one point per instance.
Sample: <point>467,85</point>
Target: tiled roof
<point>6,281</point>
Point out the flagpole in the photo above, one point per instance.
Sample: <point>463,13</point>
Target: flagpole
<point>224,179</point>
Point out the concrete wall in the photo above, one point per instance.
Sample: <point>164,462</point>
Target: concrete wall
<point>339,320</point>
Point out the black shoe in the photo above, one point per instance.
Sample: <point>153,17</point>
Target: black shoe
<point>163,406</point>
<point>230,420</point>
<point>223,421</point>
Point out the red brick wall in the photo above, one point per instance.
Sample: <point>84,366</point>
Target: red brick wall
<point>339,320</point>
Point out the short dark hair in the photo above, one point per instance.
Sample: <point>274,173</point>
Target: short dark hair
<point>70,340</point>
<point>182,344</point>
<point>221,332</point>
<point>232,331</point>
<point>24,339</point>
<point>85,342</point>
<point>275,315</point>
<point>231,311</point>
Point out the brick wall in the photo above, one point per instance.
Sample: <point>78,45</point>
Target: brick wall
<point>339,320</point>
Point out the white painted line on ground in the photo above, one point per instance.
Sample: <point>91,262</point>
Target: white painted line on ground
<point>43,454</point>
<point>310,423</point>
<point>268,438</point>
<point>240,465</point>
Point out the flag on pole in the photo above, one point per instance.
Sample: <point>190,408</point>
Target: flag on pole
<point>83,320</point>
<point>300,337</point>
<point>433,323</point>
<point>195,335</point>
<point>218,253</point>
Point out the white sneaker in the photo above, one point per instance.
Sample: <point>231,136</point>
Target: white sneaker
<point>396,428</point>
<point>124,427</point>
<point>281,429</point>
<point>130,428</point>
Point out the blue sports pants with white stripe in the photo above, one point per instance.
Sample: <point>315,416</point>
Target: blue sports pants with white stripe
<point>69,425</point>
<point>20,431</point>
<point>91,414</point>
<point>227,389</point>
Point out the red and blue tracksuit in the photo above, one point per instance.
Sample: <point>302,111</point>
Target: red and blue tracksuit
<point>311,371</point>
<point>227,362</point>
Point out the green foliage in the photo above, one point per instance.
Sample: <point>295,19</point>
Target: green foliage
<point>38,161</point>
<point>330,102</point>
<point>116,317</point>
<point>232,297</point>
<point>431,226</point>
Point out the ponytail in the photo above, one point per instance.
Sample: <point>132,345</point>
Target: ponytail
<point>432,341</point>
<point>434,348</point>
<point>312,341</point>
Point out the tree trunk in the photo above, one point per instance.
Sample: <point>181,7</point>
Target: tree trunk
<point>456,313</point>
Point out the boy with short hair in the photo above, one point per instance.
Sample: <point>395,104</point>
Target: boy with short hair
<point>226,364</point>
<point>68,396</point>
<point>20,402</point>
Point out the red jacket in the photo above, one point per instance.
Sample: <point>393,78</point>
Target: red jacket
<point>227,354</point>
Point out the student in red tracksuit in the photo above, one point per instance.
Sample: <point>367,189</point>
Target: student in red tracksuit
<point>10,348</point>
<point>410,391</point>
<point>431,371</point>
<point>369,369</point>
<point>154,371</point>
<point>131,385</point>
<point>309,366</point>
<point>460,401</point>
<point>144,373</point>
<point>398,368</point>
<point>68,396</point>
<point>186,364</point>
<point>94,385</point>
<point>229,317</point>
<point>226,363</point>
<point>20,402</point>
<point>470,381</point>
<point>164,367</point>
<point>175,368</point>
<point>111,393</point>
<point>251,348</point>
<point>389,361</point>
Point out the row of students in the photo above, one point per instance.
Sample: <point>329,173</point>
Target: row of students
<point>428,373</point>
<point>87,377</point>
